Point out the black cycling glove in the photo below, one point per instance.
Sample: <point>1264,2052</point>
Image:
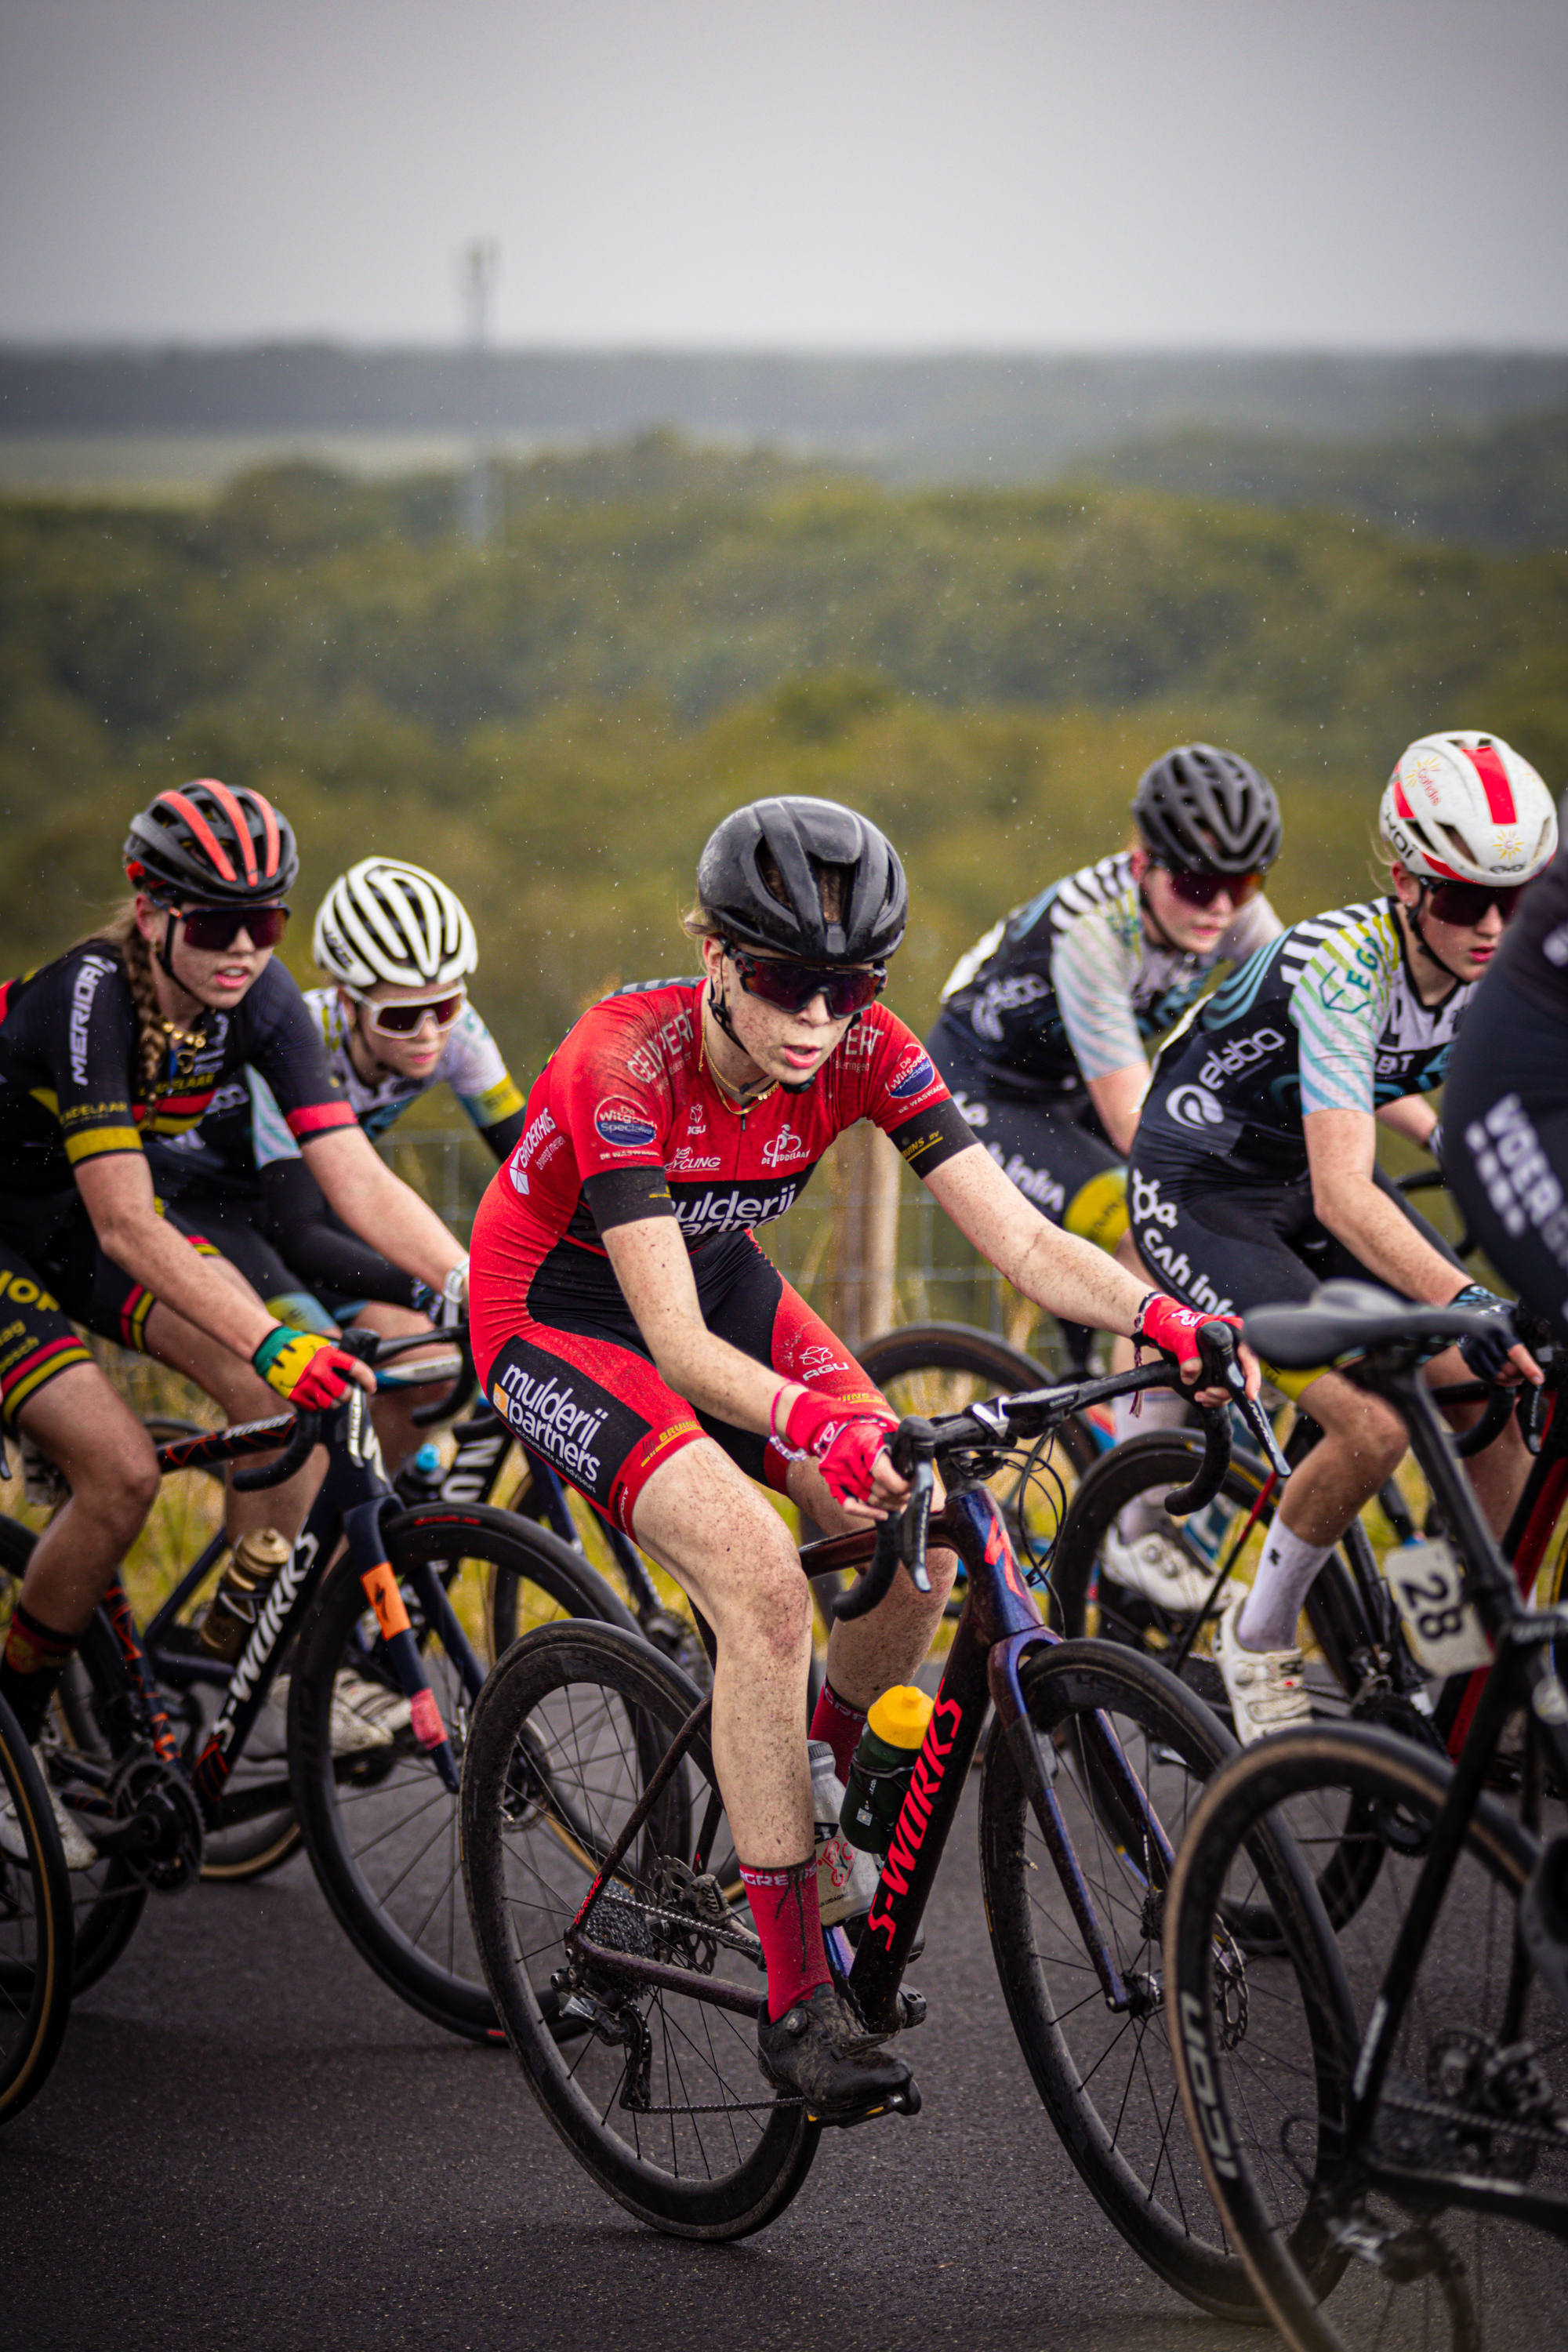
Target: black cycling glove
<point>1487,1352</point>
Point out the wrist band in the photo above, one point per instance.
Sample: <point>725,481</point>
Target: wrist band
<point>1145,1304</point>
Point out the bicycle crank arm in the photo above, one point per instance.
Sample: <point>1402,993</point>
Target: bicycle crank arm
<point>256,1799</point>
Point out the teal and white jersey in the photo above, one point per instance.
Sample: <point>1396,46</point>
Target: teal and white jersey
<point>470,1064</point>
<point>1325,1018</point>
<point>1070,986</point>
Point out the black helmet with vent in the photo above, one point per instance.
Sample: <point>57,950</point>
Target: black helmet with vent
<point>758,879</point>
<point>1204,810</point>
<point>211,844</point>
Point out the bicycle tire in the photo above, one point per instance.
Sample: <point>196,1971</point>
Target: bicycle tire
<point>37,1954</point>
<point>92,1712</point>
<point>1266,2053</point>
<point>568,1729</point>
<point>1105,2080</point>
<point>251,1849</point>
<point>382,1831</point>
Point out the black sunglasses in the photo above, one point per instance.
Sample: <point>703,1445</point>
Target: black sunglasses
<point>210,929</point>
<point>1464,904</point>
<point>792,986</point>
<point>1202,889</point>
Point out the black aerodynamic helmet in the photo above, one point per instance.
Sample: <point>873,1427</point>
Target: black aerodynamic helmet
<point>212,844</point>
<point>1203,811</point>
<point>758,879</point>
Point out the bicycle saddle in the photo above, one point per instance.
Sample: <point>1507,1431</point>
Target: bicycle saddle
<point>1341,1319</point>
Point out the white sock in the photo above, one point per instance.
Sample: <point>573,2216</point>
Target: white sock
<point>1162,1409</point>
<point>1285,1576</point>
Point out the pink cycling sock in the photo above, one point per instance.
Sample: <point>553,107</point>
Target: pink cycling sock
<point>834,1719</point>
<point>783,1906</point>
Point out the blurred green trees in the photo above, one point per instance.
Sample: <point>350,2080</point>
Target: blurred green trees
<point>554,720</point>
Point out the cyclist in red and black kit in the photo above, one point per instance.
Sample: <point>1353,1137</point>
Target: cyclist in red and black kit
<point>134,1031</point>
<point>627,1326</point>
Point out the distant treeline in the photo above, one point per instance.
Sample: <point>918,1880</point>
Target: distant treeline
<point>1503,486</point>
<point>554,720</point>
<point>962,417</point>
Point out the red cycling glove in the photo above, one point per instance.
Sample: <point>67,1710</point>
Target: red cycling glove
<point>1172,1329</point>
<point>306,1368</point>
<point>842,1440</point>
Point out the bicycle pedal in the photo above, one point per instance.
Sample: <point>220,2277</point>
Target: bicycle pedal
<point>903,2102</point>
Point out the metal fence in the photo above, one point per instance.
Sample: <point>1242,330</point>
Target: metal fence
<point>938,1276</point>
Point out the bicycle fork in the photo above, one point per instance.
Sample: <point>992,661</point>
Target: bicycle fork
<point>362,1525</point>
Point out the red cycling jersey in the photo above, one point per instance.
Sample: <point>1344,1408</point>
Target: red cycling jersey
<point>627,1122</point>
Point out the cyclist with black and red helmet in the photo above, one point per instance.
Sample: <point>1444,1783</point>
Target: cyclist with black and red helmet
<point>134,1031</point>
<point>628,1328</point>
<point>1255,1176</point>
<point>1049,1022</point>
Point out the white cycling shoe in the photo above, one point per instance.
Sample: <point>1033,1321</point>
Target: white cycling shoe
<point>364,1715</point>
<point>1161,1572</point>
<point>80,1853</point>
<point>1267,1688</point>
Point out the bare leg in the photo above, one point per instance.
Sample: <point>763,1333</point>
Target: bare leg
<point>106,1456</point>
<point>869,1654</point>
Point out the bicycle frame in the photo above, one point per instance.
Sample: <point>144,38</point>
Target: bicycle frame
<point>348,1508</point>
<point>999,1627</point>
<point>1521,1675</point>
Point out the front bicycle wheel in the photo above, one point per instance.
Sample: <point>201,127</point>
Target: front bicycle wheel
<point>381,1827</point>
<point>1412,2233</point>
<point>656,2093</point>
<point>932,1369</point>
<point>1105,2075</point>
<point>36,1957</point>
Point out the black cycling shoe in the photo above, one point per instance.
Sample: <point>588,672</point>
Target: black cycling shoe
<point>819,2052</point>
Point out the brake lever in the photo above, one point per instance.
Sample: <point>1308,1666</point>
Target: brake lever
<point>916,1521</point>
<point>1222,1369</point>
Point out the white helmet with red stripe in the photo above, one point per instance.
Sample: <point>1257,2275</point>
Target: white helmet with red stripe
<point>1463,807</point>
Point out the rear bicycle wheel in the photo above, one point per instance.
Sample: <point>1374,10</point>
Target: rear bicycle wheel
<point>1405,2242</point>
<point>91,1717</point>
<point>36,1957</point>
<point>659,2095</point>
<point>1105,2078</point>
<point>381,1827</point>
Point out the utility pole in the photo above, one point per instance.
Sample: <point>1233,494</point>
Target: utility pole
<point>479,270</point>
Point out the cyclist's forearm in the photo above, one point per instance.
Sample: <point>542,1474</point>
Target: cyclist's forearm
<point>1065,1275</point>
<point>1118,1097</point>
<point>1412,1116</point>
<point>1380,1234</point>
<point>369,1197</point>
<point>158,1257</point>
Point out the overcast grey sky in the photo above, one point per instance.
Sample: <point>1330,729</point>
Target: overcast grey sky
<point>812,172</point>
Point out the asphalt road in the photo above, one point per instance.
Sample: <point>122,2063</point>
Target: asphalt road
<point>247,2142</point>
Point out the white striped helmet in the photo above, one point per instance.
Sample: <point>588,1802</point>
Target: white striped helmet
<point>386,921</point>
<point>1463,807</point>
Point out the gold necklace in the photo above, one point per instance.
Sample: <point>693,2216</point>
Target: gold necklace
<point>185,1060</point>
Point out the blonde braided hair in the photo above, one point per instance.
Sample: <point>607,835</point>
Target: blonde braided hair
<point>122,935</point>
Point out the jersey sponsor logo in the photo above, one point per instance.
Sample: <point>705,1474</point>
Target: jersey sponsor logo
<point>527,1142</point>
<point>93,971</point>
<point>697,1120</point>
<point>547,1413</point>
<point>1178,1269</point>
<point>730,1212</point>
<point>1237,1053</point>
<point>687,1162</point>
<point>649,1060</point>
<point>785,1145</point>
<point>1554,946</point>
<point>913,1080</point>
<point>1194,1107</point>
<point>1147,1205</point>
<point>816,1362</point>
<point>1001,997</point>
<point>860,1044</point>
<point>623,1126</point>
